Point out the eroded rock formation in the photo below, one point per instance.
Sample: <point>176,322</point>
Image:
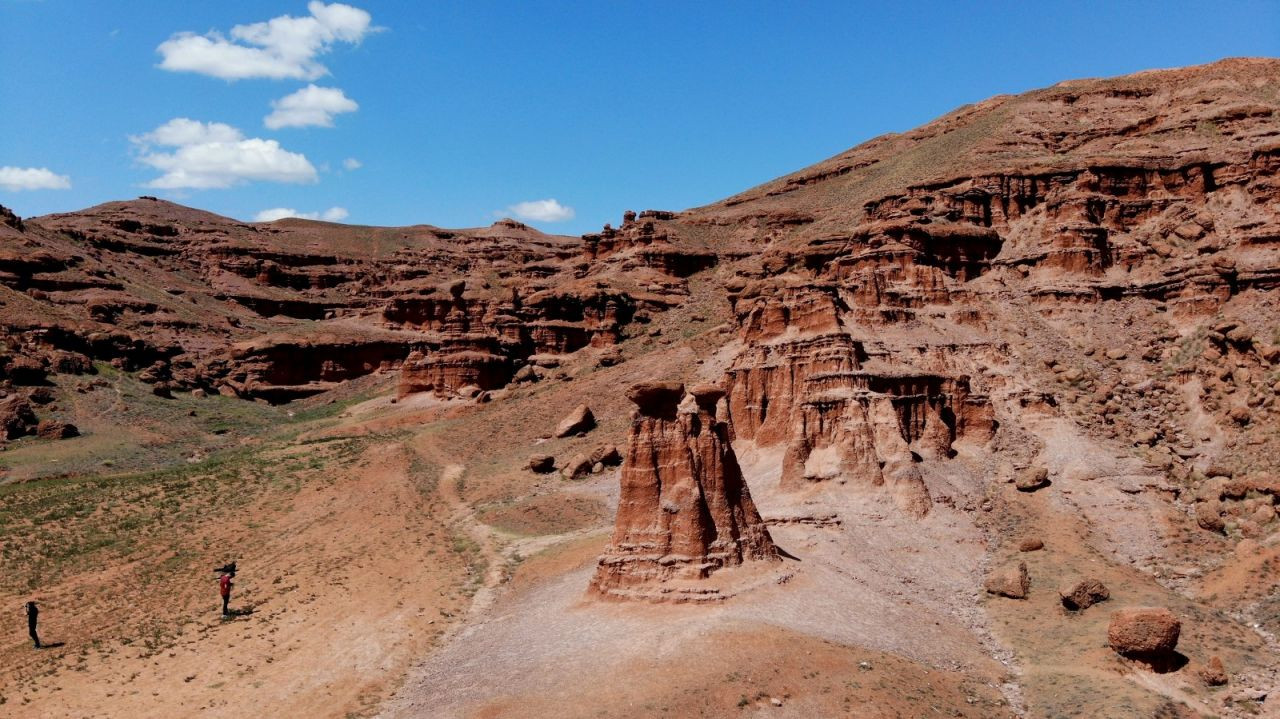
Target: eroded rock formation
<point>844,417</point>
<point>684,511</point>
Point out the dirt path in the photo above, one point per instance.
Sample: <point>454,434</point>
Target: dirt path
<point>463,518</point>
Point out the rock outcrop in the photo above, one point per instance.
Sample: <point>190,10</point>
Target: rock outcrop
<point>843,417</point>
<point>684,511</point>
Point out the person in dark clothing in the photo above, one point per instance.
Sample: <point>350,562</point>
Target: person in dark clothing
<point>33,616</point>
<point>224,588</point>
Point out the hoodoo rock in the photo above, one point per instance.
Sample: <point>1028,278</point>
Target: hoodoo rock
<point>1143,632</point>
<point>685,511</point>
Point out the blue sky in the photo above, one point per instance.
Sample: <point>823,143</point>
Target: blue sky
<point>458,112</point>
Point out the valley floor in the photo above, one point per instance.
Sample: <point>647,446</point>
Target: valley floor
<point>391,566</point>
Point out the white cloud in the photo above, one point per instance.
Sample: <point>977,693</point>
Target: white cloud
<point>309,107</point>
<point>542,211</point>
<point>282,47</point>
<point>184,131</point>
<point>333,214</point>
<point>214,155</point>
<point>32,178</point>
<point>352,163</point>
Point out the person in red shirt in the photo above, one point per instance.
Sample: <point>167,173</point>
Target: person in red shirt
<point>224,588</point>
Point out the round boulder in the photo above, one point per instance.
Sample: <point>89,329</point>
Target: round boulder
<point>1143,631</point>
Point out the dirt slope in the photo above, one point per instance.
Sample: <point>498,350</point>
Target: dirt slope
<point>1077,285</point>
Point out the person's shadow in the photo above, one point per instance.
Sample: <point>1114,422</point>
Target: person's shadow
<point>243,612</point>
<point>53,645</point>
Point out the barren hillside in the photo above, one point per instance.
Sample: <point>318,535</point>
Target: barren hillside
<point>904,433</point>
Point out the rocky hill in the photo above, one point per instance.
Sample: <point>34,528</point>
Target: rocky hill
<point>1036,341</point>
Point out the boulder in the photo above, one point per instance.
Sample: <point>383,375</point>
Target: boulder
<point>1031,544</point>
<point>1030,479</point>
<point>542,463</point>
<point>64,362</point>
<point>579,421</point>
<point>53,429</point>
<point>1247,548</point>
<point>1209,515</point>
<point>1082,594</point>
<point>26,371</point>
<point>607,455</point>
<point>1143,631</point>
<point>1212,673</point>
<point>41,395</point>
<point>17,419</point>
<point>578,466</point>
<point>1010,580</point>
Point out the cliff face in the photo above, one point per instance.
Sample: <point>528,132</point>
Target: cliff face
<point>289,309</point>
<point>1105,252</point>
<point>684,511</point>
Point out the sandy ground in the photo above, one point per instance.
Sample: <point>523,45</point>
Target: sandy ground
<point>428,580</point>
<point>848,588</point>
<point>875,587</point>
<point>339,591</point>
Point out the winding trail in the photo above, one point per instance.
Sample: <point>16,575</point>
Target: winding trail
<point>463,520</point>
